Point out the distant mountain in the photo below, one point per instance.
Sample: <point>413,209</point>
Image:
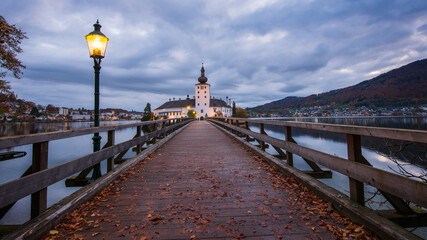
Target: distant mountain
<point>404,86</point>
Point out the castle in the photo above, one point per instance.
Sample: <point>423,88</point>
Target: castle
<point>202,103</point>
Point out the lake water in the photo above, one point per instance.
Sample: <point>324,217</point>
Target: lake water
<point>64,150</point>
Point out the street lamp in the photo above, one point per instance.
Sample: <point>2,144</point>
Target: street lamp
<point>97,43</point>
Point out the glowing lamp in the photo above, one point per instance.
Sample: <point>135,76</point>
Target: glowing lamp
<point>97,42</point>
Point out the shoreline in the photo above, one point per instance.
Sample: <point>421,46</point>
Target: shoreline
<point>63,121</point>
<point>399,116</point>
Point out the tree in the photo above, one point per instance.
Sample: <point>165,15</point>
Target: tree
<point>191,114</point>
<point>234,110</point>
<point>10,39</point>
<point>51,109</point>
<point>34,111</point>
<point>148,115</point>
<point>241,113</point>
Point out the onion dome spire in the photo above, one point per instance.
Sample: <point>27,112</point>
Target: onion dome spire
<point>202,78</point>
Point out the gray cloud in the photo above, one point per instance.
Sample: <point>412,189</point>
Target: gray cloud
<point>254,53</point>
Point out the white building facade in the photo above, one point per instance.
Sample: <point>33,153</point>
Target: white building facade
<point>203,103</point>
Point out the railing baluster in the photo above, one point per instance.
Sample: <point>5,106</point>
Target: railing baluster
<point>111,142</point>
<point>138,134</point>
<point>288,137</point>
<point>247,127</point>
<point>40,162</point>
<point>261,130</point>
<point>354,151</point>
<point>154,129</point>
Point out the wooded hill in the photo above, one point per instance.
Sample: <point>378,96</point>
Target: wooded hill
<point>402,87</point>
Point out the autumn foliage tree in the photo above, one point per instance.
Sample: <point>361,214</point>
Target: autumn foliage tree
<point>10,39</point>
<point>191,114</point>
<point>241,113</point>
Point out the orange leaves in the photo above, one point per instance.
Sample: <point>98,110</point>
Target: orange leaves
<point>309,208</point>
<point>201,202</point>
<point>156,218</point>
<point>239,237</point>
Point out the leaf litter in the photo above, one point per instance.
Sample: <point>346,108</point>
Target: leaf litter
<point>194,221</point>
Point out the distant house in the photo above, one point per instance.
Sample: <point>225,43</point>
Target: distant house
<point>78,116</point>
<point>63,111</point>
<point>204,104</point>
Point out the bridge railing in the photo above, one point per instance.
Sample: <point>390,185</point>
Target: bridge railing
<point>394,187</point>
<point>38,176</point>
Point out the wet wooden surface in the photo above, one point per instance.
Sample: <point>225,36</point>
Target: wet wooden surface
<point>201,184</point>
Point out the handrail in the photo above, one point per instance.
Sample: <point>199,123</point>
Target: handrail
<point>380,132</point>
<point>38,177</point>
<point>359,171</point>
<point>14,141</point>
<point>396,184</point>
<point>12,191</point>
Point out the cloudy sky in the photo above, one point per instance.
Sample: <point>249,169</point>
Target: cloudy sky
<point>254,51</point>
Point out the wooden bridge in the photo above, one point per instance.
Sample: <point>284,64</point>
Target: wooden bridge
<point>201,179</point>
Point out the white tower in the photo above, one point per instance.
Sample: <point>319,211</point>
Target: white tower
<point>202,95</point>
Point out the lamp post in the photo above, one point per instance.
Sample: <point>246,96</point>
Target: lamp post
<point>97,43</point>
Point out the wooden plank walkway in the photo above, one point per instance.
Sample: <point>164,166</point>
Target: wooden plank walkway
<point>204,185</point>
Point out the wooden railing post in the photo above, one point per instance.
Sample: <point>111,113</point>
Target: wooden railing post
<point>40,162</point>
<point>163,126</point>
<point>261,130</point>
<point>288,137</point>
<point>247,127</point>
<point>111,142</point>
<point>354,151</point>
<point>138,134</point>
<point>155,128</point>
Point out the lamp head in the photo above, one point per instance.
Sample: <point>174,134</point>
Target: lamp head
<point>97,42</point>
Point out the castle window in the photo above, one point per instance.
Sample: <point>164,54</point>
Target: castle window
<point>198,104</point>
<point>205,104</point>
<point>197,87</point>
<point>205,96</point>
<point>198,97</point>
<point>197,91</point>
<point>201,110</point>
<point>205,91</point>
